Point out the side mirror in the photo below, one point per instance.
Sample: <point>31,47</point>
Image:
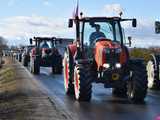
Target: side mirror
<point>134,23</point>
<point>31,41</point>
<point>130,40</point>
<point>70,23</point>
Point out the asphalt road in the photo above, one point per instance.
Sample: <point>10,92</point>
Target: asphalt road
<point>103,105</point>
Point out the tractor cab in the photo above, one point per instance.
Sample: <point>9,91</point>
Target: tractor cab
<point>45,42</point>
<point>45,54</point>
<point>98,37</point>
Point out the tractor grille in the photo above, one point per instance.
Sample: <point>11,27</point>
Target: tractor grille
<point>112,57</point>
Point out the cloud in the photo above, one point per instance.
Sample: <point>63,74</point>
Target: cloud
<point>113,9</point>
<point>11,2</point>
<point>144,35</point>
<point>46,3</point>
<point>19,29</point>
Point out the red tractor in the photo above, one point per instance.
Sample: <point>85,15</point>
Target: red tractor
<point>45,54</point>
<point>99,54</point>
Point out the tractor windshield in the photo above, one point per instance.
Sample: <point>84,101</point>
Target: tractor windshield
<point>46,44</point>
<point>101,30</point>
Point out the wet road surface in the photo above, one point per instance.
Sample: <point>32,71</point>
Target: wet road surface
<point>103,105</point>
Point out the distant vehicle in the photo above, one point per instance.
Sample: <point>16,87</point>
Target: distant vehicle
<point>45,54</point>
<point>17,54</point>
<point>99,54</point>
<point>26,54</point>
<point>5,52</point>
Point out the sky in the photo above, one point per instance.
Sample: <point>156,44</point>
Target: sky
<point>22,19</point>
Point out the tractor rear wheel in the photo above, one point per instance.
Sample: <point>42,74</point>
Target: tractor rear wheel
<point>19,57</point>
<point>153,73</point>
<point>137,85</point>
<point>82,83</point>
<point>25,61</point>
<point>57,64</point>
<point>68,73</point>
<point>36,66</point>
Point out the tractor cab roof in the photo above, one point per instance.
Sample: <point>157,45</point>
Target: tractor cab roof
<point>41,39</point>
<point>54,40</point>
<point>44,38</point>
<point>101,19</point>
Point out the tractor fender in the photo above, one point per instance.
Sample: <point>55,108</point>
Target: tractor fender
<point>124,56</point>
<point>72,48</point>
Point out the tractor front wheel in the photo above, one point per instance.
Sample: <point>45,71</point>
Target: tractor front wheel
<point>82,83</point>
<point>35,68</point>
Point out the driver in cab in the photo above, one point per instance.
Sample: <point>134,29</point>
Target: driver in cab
<point>44,45</point>
<point>95,35</point>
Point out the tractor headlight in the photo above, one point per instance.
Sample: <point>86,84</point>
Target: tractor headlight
<point>118,50</point>
<point>118,65</point>
<point>106,65</point>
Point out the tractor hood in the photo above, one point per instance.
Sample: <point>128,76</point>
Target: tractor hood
<point>107,51</point>
<point>104,43</point>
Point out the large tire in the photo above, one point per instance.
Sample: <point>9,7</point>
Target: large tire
<point>82,83</point>
<point>153,72</point>
<point>19,57</point>
<point>68,73</point>
<point>25,61</point>
<point>57,68</point>
<point>137,85</point>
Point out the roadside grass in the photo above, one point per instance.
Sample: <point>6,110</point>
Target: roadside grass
<point>8,84</point>
<point>141,53</point>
